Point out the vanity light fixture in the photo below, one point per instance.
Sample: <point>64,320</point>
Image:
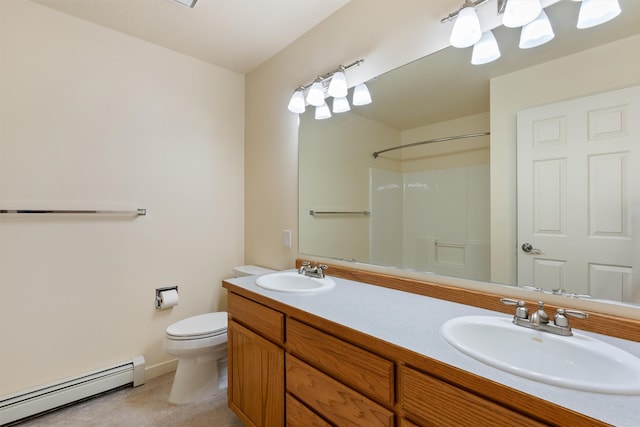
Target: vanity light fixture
<point>596,12</point>
<point>338,85</point>
<point>486,49</point>
<point>520,12</point>
<point>361,95</point>
<point>528,14</point>
<point>341,104</point>
<point>315,96</point>
<point>536,32</point>
<point>466,28</point>
<point>322,111</point>
<point>334,84</point>
<point>297,103</point>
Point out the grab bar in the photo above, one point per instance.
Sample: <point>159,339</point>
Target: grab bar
<point>450,245</point>
<point>137,212</point>
<point>314,213</point>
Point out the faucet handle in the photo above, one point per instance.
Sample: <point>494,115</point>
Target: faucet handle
<point>522,311</point>
<point>560,319</point>
<point>573,313</point>
<point>303,266</point>
<point>320,268</point>
<point>577,313</point>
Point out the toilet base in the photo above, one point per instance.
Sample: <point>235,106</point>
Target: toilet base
<point>198,378</point>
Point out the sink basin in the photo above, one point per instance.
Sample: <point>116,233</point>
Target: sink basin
<point>292,281</point>
<point>577,362</point>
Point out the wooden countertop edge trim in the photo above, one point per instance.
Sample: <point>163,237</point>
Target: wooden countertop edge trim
<point>524,403</point>
<point>600,323</point>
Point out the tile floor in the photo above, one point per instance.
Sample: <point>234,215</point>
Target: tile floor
<point>142,406</point>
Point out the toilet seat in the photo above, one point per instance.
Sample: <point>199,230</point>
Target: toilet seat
<point>199,327</point>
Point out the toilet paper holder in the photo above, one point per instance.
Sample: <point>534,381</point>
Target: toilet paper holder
<point>159,294</point>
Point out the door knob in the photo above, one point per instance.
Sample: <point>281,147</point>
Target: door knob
<point>528,248</point>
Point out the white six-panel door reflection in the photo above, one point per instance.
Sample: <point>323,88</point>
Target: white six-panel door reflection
<point>578,173</point>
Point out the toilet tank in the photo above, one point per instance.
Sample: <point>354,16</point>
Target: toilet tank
<point>250,270</point>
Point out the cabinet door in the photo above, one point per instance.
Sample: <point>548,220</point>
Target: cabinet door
<point>256,378</point>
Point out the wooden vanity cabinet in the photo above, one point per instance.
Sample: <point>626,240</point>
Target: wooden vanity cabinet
<point>288,367</point>
<point>256,364</point>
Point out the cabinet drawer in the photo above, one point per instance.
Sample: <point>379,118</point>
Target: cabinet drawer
<point>267,322</point>
<point>333,400</point>
<point>433,402</point>
<point>299,415</point>
<point>365,372</point>
<point>406,423</point>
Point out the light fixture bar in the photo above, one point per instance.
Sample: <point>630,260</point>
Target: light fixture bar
<point>502,5</point>
<point>186,3</point>
<point>317,90</point>
<point>330,73</point>
<point>454,15</point>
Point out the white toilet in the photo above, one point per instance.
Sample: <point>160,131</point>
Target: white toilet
<point>200,344</point>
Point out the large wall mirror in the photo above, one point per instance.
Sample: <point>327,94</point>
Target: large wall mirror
<point>488,207</point>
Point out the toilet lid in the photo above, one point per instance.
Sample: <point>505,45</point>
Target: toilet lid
<point>200,326</point>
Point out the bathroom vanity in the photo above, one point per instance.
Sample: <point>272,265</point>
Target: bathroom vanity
<point>368,355</point>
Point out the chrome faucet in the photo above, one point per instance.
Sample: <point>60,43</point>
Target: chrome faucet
<point>317,270</point>
<point>539,320</point>
<point>540,317</point>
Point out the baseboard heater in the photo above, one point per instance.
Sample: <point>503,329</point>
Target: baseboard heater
<point>46,398</point>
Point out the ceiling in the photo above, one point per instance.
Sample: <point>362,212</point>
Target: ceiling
<point>238,35</point>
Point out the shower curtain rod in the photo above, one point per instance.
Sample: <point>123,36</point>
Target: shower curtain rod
<point>444,139</point>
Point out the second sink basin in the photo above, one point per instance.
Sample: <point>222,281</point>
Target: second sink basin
<point>292,281</point>
<point>577,362</point>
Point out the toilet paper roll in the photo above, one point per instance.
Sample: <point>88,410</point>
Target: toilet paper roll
<point>168,298</point>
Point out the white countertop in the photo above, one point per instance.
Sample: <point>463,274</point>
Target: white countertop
<point>393,316</point>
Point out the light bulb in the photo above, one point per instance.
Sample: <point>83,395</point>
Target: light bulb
<point>340,105</point>
<point>520,12</point>
<point>536,32</point>
<point>486,50</point>
<point>338,85</point>
<point>297,104</point>
<point>322,112</point>
<point>596,12</point>
<point>466,30</point>
<point>315,96</point>
<point>361,95</point>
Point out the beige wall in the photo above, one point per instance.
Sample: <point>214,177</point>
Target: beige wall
<point>601,69</point>
<point>93,118</point>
